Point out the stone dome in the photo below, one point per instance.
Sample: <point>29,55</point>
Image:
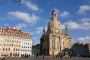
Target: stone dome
<point>54,24</point>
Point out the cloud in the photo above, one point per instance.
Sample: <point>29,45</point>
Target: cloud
<point>84,24</point>
<point>72,25</point>
<point>28,4</point>
<point>57,10</point>
<point>31,5</point>
<point>65,14</point>
<point>20,26</point>
<point>84,39</point>
<point>37,33</point>
<point>63,26</point>
<point>62,14</point>
<point>40,29</point>
<point>85,20</point>
<point>23,16</point>
<point>4,25</point>
<point>84,9</point>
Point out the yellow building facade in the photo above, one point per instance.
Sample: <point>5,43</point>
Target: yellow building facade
<point>10,42</point>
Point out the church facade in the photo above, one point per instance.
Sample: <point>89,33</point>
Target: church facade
<point>54,41</point>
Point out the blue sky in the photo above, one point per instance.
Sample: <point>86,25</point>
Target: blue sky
<point>33,15</point>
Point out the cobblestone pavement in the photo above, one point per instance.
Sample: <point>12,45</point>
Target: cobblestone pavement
<point>48,58</point>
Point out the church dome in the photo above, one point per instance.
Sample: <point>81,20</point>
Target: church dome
<point>54,24</point>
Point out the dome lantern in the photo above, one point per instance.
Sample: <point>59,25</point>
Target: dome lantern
<point>54,15</point>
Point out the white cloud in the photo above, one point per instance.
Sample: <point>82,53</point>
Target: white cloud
<point>6,24</point>
<point>57,10</point>
<point>79,25</point>
<point>39,30</point>
<point>83,9</point>
<point>32,6</point>
<point>65,14</point>
<point>23,16</point>
<point>31,33</point>
<point>62,14</point>
<point>85,19</point>
<point>20,26</point>
<point>72,25</point>
<point>37,34</point>
<point>63,27</point>
<point>84,39</point>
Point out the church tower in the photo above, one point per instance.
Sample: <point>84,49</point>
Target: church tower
<point>53,33</point>
<point>53,40</point>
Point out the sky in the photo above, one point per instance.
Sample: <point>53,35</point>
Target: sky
<point>33,15</point>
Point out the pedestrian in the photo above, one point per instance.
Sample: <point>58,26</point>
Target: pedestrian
<point>56,56</point>
<point>43,56</point>
<point>3,58</point>
<point>70,56</point>
<point>61,57</point>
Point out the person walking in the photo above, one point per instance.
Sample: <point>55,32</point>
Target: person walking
<point>3,58</point>
<point>43,56</point>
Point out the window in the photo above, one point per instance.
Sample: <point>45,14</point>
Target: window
<point>9,44</point>
<point>67,43</point>
<point>28,43</point>
<point>16,45</point>
<point>4,44</point>
<point>7,41</point>
<point>8,49</point>
<point>63,42</point>
<point>17,54</point>
<point>0,44</point>
<point>12,44</point>
<point>13,37</point>
<point>19,45</point>
<point>14,49</point>
<point>53,44</point>
<point>3,49</point>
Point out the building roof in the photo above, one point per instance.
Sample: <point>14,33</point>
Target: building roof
<point>14,32</point>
